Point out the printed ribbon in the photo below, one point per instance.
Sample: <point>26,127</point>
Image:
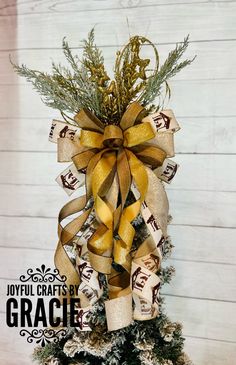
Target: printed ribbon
<point>114,157</point>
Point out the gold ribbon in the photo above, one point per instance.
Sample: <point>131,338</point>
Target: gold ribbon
<point>110,154</point>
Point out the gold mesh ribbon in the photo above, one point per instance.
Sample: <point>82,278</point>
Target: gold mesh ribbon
<point>112,156</point>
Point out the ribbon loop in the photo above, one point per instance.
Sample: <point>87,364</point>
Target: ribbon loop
<point>137,134</point>
<point>91,139</point>
<point>87,120</point>
<point>134,113</point>
<point>150,155</point>
<point>113,136</point>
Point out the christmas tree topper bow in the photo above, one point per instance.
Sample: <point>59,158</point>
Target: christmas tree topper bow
<point>114,158</point>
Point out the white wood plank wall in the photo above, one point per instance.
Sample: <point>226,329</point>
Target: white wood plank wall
<point>203,195</point>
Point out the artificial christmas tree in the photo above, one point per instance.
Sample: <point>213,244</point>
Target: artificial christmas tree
<point>115,240</point>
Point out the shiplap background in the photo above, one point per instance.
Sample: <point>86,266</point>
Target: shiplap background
<point>203,199</point>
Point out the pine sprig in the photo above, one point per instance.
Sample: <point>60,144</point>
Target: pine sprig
<point>72,60</point>
<point>92,55</point>
<point>83,77</point>
<point>52,88</point>
<point>168,70</point>
<point>64,89</point>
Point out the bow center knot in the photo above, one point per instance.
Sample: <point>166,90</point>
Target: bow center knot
<point>113,136</point>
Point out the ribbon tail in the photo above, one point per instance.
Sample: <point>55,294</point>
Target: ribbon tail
<point>144,282</point>
<point>157,201</point>
<point>119,311</point>
<point>124,176</point>
<point>66,234</point>
<point>100,244</point>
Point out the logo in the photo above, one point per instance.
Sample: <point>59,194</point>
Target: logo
<point>169,171</point>
<point>161,121</point>
<point>42,305</point>
<point>69,181</point>
<point>139,279</point>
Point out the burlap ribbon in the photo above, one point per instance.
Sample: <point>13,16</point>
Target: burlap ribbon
<point>116,158</point>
